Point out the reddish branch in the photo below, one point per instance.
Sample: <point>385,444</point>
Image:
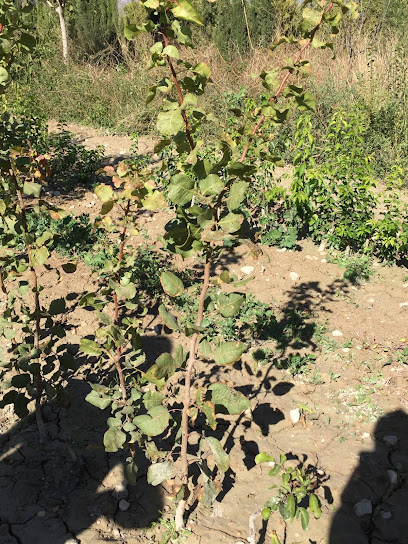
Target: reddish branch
<point>179,93</point>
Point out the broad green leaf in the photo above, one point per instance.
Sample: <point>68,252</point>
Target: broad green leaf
<point>205,348</point>
<point>181,189</point>
<point>304,517</point>
<point>44,238</point>
<point>184,10</point>
<point>314,505</point>
<point>114,439</point>
<point>233,401</point>
<point>169,320</point>
<point>4,76</point>
<point>166,366</point>
<point>231,222</point>
<point>211,185</point>
<point>229,305</point>
<point>96,399</point>
<point>32,189</point>
<point>237,194</point>
<point>172,285</point>
<point>266,512</point>
<point>171,51</point>
<point>159,472</point>
<point>228,352</point>
<point>126,291</point>
<point>151,4</point>
<point>106,207</point>
<point>264,458</point>
<point>169,123</point>
<point>155,422</point>
<point>221,457</point>
<point>40,255</point>
<point>104,192</point>
<point>89,347</point>
<point>312,16</point>
<point>23,288</point>
<point>306,102</point>
<point>202,69</point>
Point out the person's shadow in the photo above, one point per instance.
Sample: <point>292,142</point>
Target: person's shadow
<point>374,507</point>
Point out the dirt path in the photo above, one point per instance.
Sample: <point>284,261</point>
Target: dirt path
<point>352,393</point>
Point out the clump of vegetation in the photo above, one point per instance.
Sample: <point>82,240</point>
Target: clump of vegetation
<point>358,267</point>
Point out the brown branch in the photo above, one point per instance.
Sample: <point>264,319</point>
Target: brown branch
<point>179,93</point>
<point>37,311</point>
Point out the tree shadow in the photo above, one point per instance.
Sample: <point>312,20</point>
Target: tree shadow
<point>375,500</point>
<point>69,487</point>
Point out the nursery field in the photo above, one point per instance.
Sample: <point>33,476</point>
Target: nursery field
<point>325,374</point>
<point>203,283</point>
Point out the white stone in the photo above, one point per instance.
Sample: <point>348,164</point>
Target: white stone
<point>337,333</point>
<point>41,514</point>
<point>363,507</point>
<point>295,415</point>
<point>294,276</point>
<point>402,304</point>
<point>281,250</point>
<point>247,269</point>
<point>365,435</point>
<point>323,260</point>
<point>385,515</point>
<point>392,476</point>
<point>390,440</point>
<point>346,350</point>
<point>124,505</point>
<point>116,533</point>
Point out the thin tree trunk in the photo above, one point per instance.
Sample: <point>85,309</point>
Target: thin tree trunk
<point>59,9</point>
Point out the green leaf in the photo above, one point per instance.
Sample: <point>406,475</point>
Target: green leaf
<point>151,4</point>
<point>114,439</point>
<point>221,457</point>
<point>89,347</point>
<point>32,189</point>
<point>104,192</point>
<point>168,319</point>
<point>229,305</point>
<point>304,517</point>
<point>169,123</point>
<point>159,472</point>
<point>181,189</point>
<point>106,207</point>
<point>231,222</point>
<point>233,401</point>
<point>266,512</point>
<point>306,102</point>
<point>155,422</point>
<point>211,185</point>
<point>205,348</point>
<point>184,10</point>
<point>228,352</point>
<point>4,76</point>
<point>202,69</point>
<point>172,285</point>
<point>166,366</point>
<point>126,291</point>
<point>171,51</point>
<point>98,400</point>
<point>312,16</point>
<point>264,458</point>
<point>23,288</point>
<point>40,255</point>
<point>314,505</point>
<point>152,398</point>
<point>237,194</point>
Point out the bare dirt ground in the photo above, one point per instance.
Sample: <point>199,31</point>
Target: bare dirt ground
<point>353,397</point>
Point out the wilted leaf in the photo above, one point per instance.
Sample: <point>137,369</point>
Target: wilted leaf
<point>32,189</point>
<point>221,457</point>
<point>104,192</point>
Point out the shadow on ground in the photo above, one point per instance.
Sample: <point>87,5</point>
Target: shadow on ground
<point>375,501</point>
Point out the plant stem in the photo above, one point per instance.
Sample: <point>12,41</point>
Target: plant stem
<point>187,387</point>
<point>179,93</point>
<point>37,313</point>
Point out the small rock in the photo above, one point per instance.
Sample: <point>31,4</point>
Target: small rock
<point>281,250</point>
<point>402,304</point>
<point>346,350</point>
<point>295,415</point>
<point>390,440</point>
<point>71,541</point>
<point>294,276</point>
<point>56,193</point>
<point>363,507</point>
<point>157,329</point>
<point>309,257</point>
<point>42,514</point>
<point>124,505</point>
<point>365,435</point>
<point>121,491</point>
<point>337,333</point>
<point>247,269</point>
<point>385,515</point>
<point>323,260</point>
<point>116,533</point>
<point>371,300</point>
<point>392,476</point>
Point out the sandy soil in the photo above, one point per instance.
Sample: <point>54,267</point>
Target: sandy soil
<point>353,397</point>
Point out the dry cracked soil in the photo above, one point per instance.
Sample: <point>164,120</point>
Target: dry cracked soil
<point>351,395</point>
